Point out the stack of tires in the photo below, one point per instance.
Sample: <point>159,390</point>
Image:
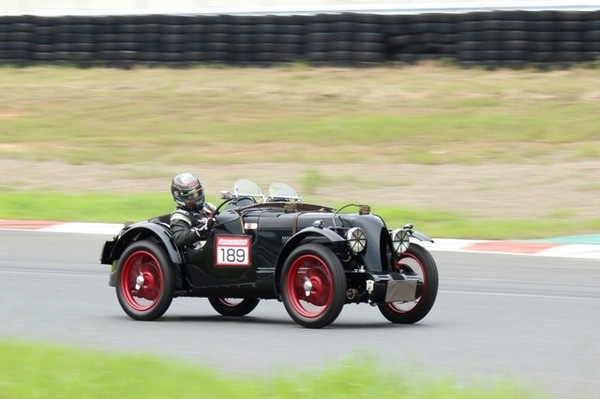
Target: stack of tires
<point>520,38</point>
<point>265,40</point>
<point>16,34</point>
<point>345,40</point>
<point>492,39</point>
<point>590,37</point>
<point>201,39</point>
<point>420,37</point>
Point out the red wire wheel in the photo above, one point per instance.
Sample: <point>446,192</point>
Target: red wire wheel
<point>313,285</point>
<point>142,280</point>
<point>233,306</point>
<point>145,281</point>
<point>416,261</point>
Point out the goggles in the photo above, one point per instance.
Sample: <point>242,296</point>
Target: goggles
<point>192,194</point>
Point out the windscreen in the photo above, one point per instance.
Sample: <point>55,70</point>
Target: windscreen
<point>283,191</point>
<point>246,188</point>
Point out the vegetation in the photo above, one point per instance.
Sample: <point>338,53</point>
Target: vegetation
<point>144,121</point>
<point>33,370</point>
<point>119,208</point>
<point>424,114</point>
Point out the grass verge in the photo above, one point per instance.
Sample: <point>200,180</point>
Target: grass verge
<point>35,370</point>
<point>118,208</point>
<point>427,114</point>
<point>296,113</point>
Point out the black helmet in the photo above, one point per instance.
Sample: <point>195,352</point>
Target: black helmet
<point>187,191</point>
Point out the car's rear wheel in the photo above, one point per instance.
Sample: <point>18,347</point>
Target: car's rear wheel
<point>145,281</point>
<point>233,306</point>
<point>313,286</point>
<point>416,261</point>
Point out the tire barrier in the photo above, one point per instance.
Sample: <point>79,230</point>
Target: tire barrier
<point>487,38</point>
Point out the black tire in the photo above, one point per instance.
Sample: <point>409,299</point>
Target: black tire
<point>315,269</point>
<point>145,281</point>
<point>236,307</point>
<point>416,260</point>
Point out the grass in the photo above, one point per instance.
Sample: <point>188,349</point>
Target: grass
<point>34,370</point>
<point>88,207</point>
<point>428,114</point>
<point>318,115</point>
<point>118,208</point>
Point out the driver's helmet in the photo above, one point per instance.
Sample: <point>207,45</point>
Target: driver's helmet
<point>187,191</point>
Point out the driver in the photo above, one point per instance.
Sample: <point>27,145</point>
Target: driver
<point>192,219</point>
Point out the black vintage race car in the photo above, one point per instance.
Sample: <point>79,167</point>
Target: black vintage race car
<point>313,258</point>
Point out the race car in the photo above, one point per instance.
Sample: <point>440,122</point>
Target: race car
<point>313,258</point>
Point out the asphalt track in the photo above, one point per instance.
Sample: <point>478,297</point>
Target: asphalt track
<point>532,319</point>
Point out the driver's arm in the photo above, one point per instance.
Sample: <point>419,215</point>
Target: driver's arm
<point>183,233</point>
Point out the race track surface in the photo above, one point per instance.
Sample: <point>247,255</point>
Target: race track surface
<point>530,318</point>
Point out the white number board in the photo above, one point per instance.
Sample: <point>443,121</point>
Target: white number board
<point>232,251</point>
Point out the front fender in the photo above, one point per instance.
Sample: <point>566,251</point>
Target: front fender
<point>312,232</point>
<point>419,236</point>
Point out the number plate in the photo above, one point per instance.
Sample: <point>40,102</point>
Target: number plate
<point>233,251</point>
<point>401,290</point>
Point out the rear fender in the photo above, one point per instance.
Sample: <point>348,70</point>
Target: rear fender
<point>314,233</point>
<point>141,232</point>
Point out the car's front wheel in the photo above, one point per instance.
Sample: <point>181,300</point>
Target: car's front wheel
<point>415,262</point>
<point>145,281</point>
<point>313,286</point>
<point>233,306</point>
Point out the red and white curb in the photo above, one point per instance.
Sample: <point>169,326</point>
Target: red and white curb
<point>61,227</point>
<point>588,251</point>
<point>560,250</point>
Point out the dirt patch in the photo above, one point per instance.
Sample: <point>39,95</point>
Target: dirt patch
<point>560,189</point>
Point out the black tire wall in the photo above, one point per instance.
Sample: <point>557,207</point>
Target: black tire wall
<point>491,39</point>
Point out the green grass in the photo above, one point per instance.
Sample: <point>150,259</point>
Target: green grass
<point>33,370</point>
<point>316,114</point>
<point>118,208</point>
<point>430,114</point>
<point>85,207</point>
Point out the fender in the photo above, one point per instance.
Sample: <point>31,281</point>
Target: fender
<point>143,230</point>
<point>293,242</point>
<point>419,236</point>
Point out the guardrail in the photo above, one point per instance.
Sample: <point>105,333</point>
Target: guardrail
<point>486,38</point>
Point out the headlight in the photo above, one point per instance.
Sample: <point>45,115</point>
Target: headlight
<point>356,239</point>
<point>400,240</point>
